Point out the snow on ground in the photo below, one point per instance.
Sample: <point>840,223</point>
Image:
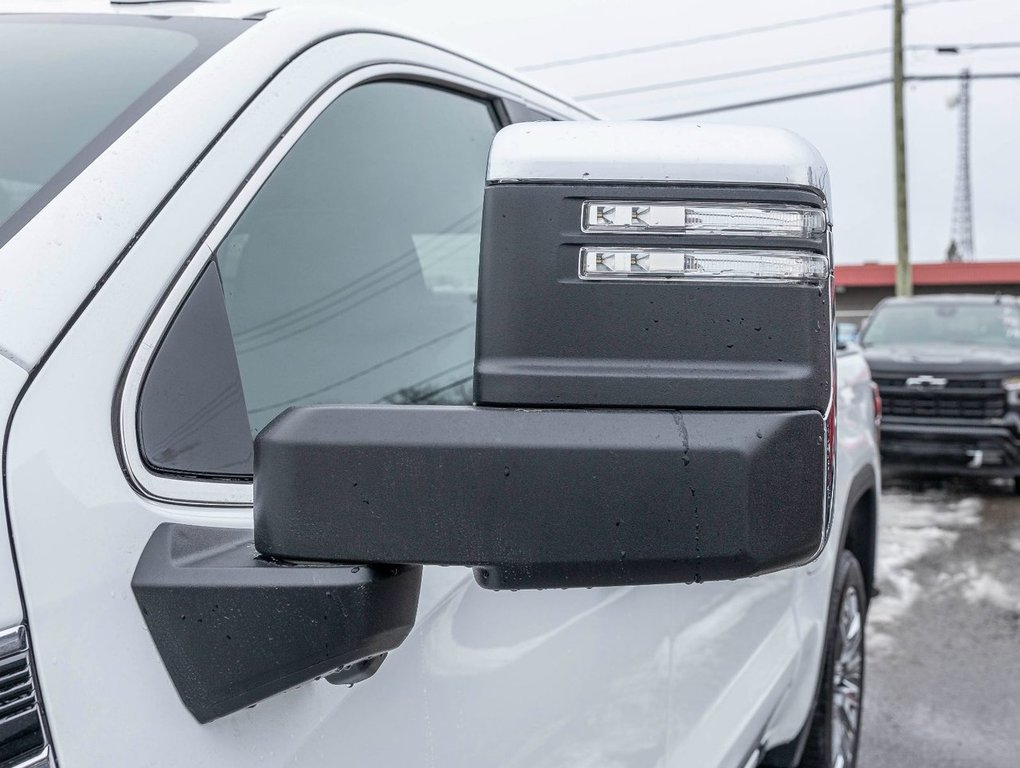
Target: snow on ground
<point>983,587</point>
<point>912,526</point>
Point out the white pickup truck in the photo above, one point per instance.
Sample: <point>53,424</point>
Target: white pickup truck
<point>211,214</point>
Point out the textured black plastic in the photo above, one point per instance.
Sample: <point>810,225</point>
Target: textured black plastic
<point>234,628</point>
<point>547,338</point>
<point>544,498</point>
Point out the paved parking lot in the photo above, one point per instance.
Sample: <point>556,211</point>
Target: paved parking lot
<point>943,679</point>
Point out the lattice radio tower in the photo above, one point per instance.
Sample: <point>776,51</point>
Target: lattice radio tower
<point>961,236</point>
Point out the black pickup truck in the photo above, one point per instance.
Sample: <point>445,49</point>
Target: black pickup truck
<point>948,370</point>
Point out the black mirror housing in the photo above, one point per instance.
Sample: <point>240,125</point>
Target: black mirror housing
<point>552,337</point>
<point>653,378</point>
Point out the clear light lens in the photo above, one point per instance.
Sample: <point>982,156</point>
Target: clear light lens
<point>701,264</point>
<point>703,219</point>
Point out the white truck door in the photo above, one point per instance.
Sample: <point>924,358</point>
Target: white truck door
<point>12,379</point>
<point>734,653</point>
<point>345,235</point>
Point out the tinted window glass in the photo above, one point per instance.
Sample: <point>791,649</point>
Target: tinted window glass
<point>191,417</point>
<point>352,275</point>
<point>984,325</point>
<point>70,84</point>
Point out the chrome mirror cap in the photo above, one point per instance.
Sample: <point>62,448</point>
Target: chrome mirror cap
<point>648,152</point>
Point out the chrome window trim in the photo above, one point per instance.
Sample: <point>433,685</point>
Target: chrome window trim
<point>239,493</point>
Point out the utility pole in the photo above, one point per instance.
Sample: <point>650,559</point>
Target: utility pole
<point>961,236</point>
<point>904,279</point>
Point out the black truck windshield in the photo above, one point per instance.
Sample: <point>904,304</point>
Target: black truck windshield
<point>985,325</point>
<point>70,84</point>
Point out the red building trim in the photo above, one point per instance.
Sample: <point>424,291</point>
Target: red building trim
<point>940,273</point>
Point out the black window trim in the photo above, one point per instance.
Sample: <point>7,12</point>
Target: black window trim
<point>517,111</point>
<point>238,492</point>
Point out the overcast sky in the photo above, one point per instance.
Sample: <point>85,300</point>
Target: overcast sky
<point>853,130</point>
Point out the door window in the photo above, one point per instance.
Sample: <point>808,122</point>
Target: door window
<point>351,276</point>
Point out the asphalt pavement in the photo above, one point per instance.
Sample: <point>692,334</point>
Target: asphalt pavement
<point>943,658</point>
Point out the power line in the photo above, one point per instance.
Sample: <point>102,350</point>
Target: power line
<point>342,303</point>
<point>230,395</point>
<point>743,32</point>
<point>413,398</point>
<point>957,47</point>
<point>342,310</point>
<point>733,74</point>
<point>704,38</point>
<point>799,64</point>
<point>826,91</point>
<point>971,76</point>
<point>426,380</point>
<point>347,290</point>
<point>304,397</point>
<point>775,99</point>
<point>427,397</point>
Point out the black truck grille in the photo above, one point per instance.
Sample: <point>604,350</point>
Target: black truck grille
<point>958,399</point>
<point>21,730</point>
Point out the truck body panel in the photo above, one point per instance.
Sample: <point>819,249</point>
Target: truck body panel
<point>12,380</point>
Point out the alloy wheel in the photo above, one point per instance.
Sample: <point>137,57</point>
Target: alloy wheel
<point>847,679</point>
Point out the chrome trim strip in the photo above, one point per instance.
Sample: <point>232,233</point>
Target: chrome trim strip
<point>220,493</point>
<point>13,640</point>
<point>40,760</point>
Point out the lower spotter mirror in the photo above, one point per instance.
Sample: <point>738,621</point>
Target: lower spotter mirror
<point>653,379</point>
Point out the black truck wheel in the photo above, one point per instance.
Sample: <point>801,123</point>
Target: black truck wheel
<point>836,722</point>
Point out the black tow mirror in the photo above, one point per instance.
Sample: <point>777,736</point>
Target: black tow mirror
<point>653,378</point>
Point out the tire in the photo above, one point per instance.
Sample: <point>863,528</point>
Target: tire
<point>834,737</point>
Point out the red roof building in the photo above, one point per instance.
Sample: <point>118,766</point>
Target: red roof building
<point>859,287</point>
